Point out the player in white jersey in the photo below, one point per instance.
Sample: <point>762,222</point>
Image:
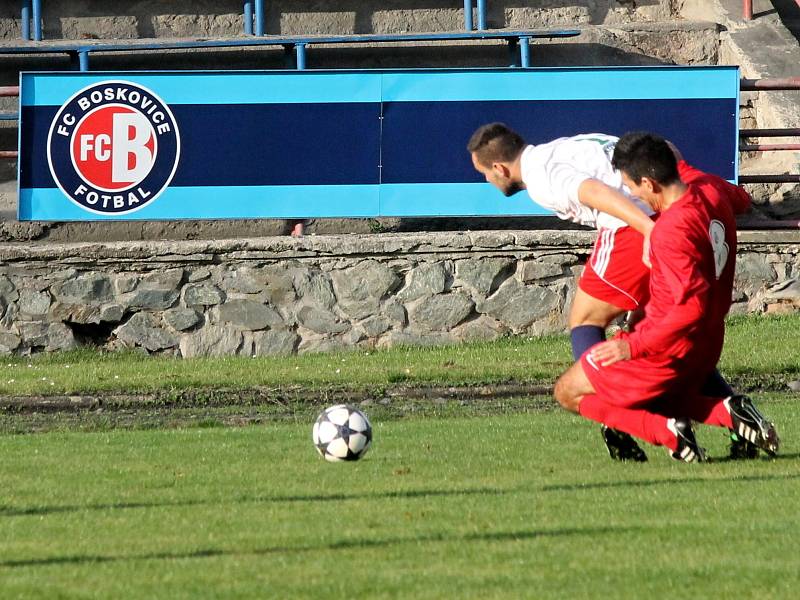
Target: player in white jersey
<point>574,178</point>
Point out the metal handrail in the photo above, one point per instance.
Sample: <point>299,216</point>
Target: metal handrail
<point>784,83</point>
<point>747,9</point>
<point>253,17</point>
<point>788,132</point>
<point>749,85</point>
<point>767,147</point>
<point>79,52</point>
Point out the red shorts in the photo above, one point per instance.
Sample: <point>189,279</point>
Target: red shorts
<point>615,272</point>
<point>641,381</point>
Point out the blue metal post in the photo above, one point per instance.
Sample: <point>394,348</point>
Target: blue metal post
<point>247,17</point>
<point>259,25</point>
<point>525,52</point>
<point>300,52</point>
<point>37,20</point>
<point>468,15</point>
<point>481,15</point>
<point>26,19</point>
<point>83,59</point>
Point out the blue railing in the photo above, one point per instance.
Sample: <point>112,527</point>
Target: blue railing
<point>518,42</point>
<point>253,17</point>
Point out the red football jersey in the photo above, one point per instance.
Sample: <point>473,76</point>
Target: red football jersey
<point>693,253</point>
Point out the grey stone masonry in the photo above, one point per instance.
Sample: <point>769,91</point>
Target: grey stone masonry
<point>282,295</point>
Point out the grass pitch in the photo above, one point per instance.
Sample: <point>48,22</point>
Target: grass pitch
<point>489,498</point>
<point>524,505</point>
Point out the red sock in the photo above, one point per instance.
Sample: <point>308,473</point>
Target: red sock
<point>703,409</point>
<point>640,423</point>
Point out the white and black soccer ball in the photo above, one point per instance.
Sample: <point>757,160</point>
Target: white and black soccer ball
<point>342,432</point>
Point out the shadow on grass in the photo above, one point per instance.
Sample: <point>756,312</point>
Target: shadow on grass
<point>762,458</point>
<point>654,482</point>
<point>8,511</point>
<point>489,536</point>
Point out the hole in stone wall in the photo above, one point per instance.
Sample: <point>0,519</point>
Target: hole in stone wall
<point>91,334</point>
<point>501,277</point>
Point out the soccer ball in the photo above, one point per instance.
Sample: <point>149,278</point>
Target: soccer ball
<point>342,432</point>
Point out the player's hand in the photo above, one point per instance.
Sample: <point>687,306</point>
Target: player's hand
<point>607,353</point>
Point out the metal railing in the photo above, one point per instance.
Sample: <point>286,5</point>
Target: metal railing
<point>519,44</point>
<point>747,9</point>
<point>759,85</point>
<point>253,18</point>
<point>9,91</point>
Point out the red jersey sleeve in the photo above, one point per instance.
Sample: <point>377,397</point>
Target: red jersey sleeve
<point>739,199</point>
<point>688,291</point>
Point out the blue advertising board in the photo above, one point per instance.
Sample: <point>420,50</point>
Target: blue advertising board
<point>288,144</point>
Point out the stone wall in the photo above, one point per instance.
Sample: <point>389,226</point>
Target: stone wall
<point>285,295</point>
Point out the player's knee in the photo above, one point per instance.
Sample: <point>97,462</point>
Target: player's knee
<point>564,394</point>
<point>587,310</point>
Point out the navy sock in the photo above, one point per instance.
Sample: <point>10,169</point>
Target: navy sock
<point>716,386</point>
<point>584,337</point>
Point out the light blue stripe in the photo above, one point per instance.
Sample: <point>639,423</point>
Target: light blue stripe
<point>213,87</point>
<point>564,84</point>
<point>50,204</point>
<point>369,86</point>
<point>279,202</point>
<point>453,199</point>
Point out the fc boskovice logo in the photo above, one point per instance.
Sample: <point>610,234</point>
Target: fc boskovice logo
<point>113,147</point>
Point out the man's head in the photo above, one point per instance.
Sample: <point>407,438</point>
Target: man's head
<point>648,165</point>
<point>495,149</point>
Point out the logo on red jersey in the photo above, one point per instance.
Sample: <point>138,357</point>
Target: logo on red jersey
<point>716,231</point>
<point>113,147</point>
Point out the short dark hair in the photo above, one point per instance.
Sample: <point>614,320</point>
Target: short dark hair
<point>641,154</point>
<point>495,142</point>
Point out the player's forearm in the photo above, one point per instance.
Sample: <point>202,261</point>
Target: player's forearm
<point>595,194</point>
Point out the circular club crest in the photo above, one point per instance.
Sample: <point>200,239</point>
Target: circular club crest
<point>113,147</point>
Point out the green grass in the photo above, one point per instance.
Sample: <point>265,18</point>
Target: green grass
<point>523,505</point>
<point>459,498</point>
<point>758,349</point>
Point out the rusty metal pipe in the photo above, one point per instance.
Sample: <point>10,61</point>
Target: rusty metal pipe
<point>756,224</point>
<point>788,132</point>
<point>747,10</point>
<point>767,147</point>
<point>784,178</point>
<point>785,83</point>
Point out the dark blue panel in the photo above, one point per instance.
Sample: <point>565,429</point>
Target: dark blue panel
<point>422,142</point>
<point>249,144</point>
<point>425,142</point>
<point>278,144</point>
<point>35,125</point>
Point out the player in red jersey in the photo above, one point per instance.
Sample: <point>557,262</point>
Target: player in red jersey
<point>648,383</point>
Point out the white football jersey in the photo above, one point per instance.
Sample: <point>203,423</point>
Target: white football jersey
<point>552,173</point>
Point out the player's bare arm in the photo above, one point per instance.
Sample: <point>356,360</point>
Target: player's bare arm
<point>596,194</point>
